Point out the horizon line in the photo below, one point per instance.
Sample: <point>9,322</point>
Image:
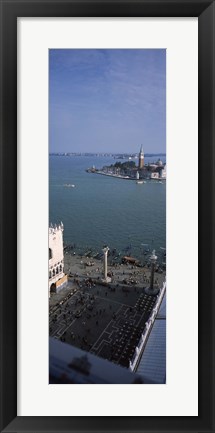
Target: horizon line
<point>105,153</point>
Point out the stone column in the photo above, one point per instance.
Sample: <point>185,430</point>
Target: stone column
<point>153,259</point>
<point>105,251</point>
<point>151,290</point>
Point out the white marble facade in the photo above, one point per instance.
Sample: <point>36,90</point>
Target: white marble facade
<point>56,256</point>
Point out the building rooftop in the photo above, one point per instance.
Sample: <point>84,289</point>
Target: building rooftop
<point>152,363</point>
<point>68,364</point>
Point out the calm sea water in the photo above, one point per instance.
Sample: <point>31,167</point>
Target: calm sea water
<point>102,210</point>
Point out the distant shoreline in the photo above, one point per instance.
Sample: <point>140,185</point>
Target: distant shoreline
<point>108,155</point>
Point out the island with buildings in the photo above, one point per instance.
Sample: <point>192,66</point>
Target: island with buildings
<point>129,170</point>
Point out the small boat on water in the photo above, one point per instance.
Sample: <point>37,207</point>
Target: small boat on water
<point>69,185</point>
<point>139,182</point>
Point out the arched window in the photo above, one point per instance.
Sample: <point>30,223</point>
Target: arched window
<point>50,274</point>
<point>53,288</point>
<point>50,254</point>
<point>60,268</point>
<point>53,272</point>
<point>57,270</point>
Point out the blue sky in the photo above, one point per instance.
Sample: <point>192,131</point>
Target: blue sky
<point>107,100</point>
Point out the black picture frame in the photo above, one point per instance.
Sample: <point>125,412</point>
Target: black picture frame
<point>10,11</point>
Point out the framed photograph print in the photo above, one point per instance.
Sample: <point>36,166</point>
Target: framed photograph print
<point>107,208</point>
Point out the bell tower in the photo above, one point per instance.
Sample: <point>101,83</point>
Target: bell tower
<point>141,158</point>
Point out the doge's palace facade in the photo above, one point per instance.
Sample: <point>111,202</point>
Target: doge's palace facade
<point>57,278</point>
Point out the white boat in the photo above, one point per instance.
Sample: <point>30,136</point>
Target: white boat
<point>69,185</point>
<point>139,182</point>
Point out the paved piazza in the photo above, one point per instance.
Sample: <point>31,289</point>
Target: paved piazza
<point>104,320</point>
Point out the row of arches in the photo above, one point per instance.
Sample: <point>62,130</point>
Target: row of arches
<point>55,271</point>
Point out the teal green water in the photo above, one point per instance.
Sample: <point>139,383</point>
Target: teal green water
<point>104,210</point>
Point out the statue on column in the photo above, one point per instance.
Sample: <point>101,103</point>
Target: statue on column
<point>151,290</point>
<point>106,279</point>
